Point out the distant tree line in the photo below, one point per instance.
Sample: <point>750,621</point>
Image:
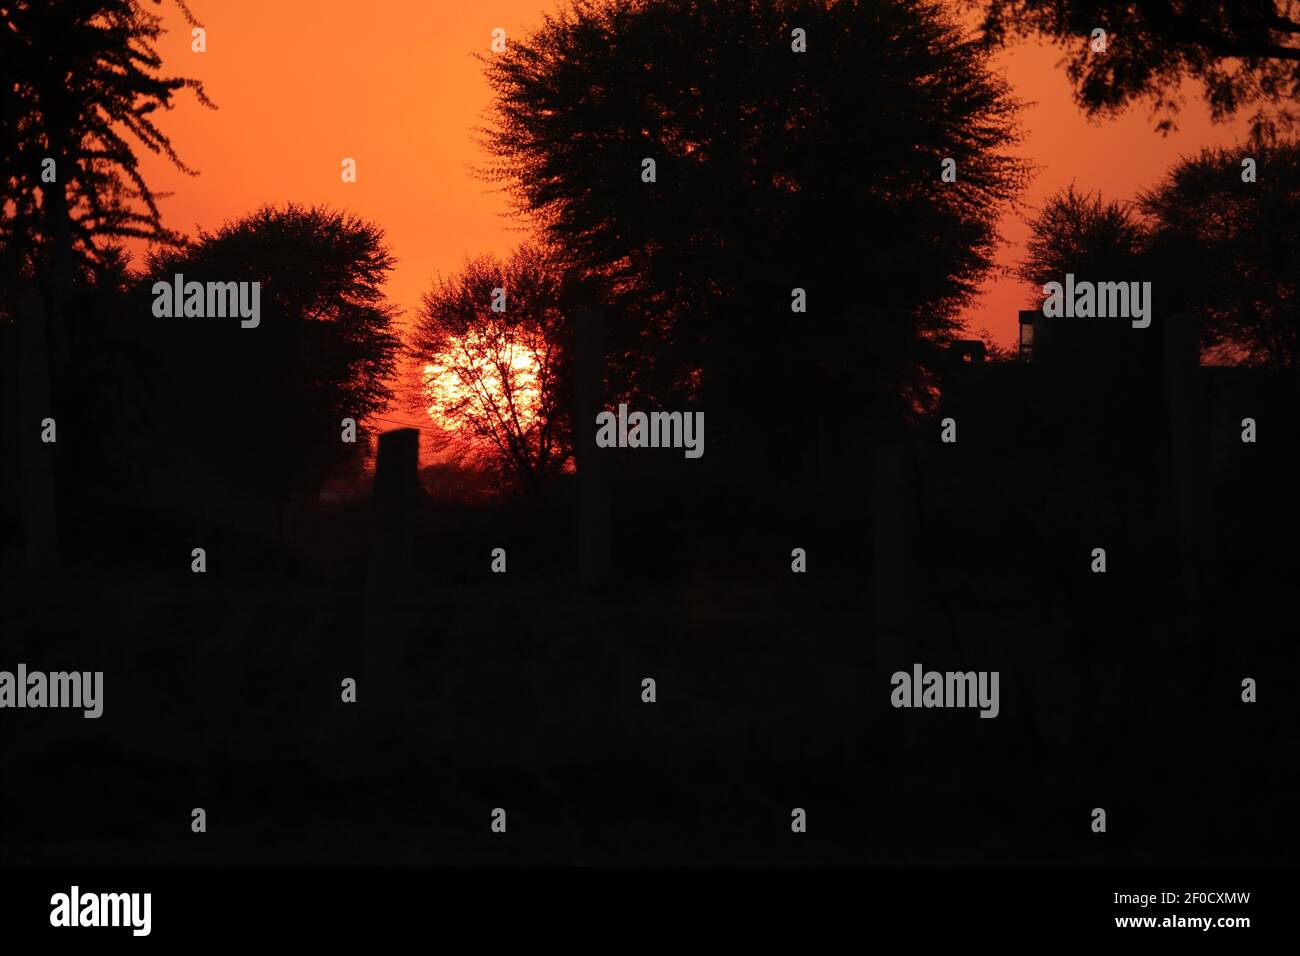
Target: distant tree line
<point>1219,238</point>
<point>781,206</point>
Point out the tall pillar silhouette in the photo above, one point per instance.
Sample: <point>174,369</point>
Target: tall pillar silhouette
<point>593,478</point>
<point>36,458</point>
<point>1187,404</point>
<point>893,528</point>
<point>389,578</point>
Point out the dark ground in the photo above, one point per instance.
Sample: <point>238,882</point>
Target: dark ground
<point>523,691</point>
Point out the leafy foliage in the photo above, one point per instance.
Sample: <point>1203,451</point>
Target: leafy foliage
<point>1234,249</point>
<point>491,379</point>
<point>1242,52</point>
<point>775,170</point>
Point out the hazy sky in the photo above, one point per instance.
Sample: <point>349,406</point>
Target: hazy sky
<point>301,84</point>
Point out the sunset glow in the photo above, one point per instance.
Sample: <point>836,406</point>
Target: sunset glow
<point>414,94</point>
<point>484,375</point>
<point>699,435</point>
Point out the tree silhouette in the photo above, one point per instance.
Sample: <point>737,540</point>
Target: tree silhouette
<point>263,407</point>
<point>1096,404</point>
<point>490,379</point>
<point>1242,52</point>
<point>775,170</point>
<point>80,80</point>
<point>1234,248</point>
<point>1097,240</point>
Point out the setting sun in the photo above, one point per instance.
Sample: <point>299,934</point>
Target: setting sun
<point>482,376</point>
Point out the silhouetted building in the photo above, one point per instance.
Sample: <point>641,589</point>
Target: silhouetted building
<point>1025,345</point>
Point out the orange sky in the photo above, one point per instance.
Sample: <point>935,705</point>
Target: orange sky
<point>301,84</point>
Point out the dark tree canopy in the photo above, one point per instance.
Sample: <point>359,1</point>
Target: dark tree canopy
<point>264,405</point>
<point>775,170</point>
<point>1243,53</point>
<point>1234,249</point>
<point>1104,372</point>
<point>81,87</point>
<point>1095,241</point>
<point>1080,233</point>
<point>1214,245</point>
